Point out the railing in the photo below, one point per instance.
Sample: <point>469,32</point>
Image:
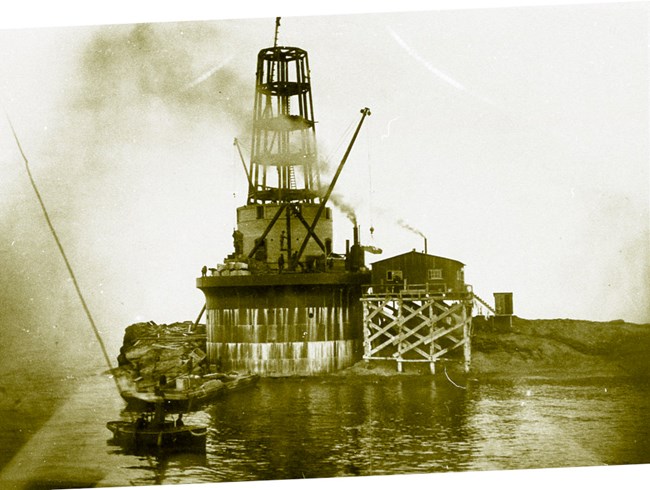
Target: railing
<point>415,291</point>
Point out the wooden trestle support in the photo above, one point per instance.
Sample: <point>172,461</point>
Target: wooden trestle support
<point>416,326</point>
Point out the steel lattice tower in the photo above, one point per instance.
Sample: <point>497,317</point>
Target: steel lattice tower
<point>283,154</point>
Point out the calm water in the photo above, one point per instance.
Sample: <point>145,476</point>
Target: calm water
<point>344,426</point>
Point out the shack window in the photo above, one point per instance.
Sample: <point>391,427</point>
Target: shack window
<point>260,212</point>
<point>328,213</point>
<point>434,274</point>
<point>394,276</point>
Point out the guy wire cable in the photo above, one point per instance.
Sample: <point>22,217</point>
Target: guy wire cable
<point>62,251</point>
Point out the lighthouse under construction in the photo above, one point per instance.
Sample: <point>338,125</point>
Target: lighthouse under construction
<point>283,302</point>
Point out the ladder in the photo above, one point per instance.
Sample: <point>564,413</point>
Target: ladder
<point>292,178</point>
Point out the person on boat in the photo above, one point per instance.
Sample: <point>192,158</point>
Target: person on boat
<point>141,422</point>
<point>162,383</point>
<point>179,420</point>
<point>158,415</point>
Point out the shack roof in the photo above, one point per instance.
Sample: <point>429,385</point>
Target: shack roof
<point>415,253</point>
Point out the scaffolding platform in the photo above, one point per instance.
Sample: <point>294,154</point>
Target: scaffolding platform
<point>417,325</point>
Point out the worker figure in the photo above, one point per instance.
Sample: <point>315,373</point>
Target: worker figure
<point>159,414</point>
<point>238,242</point>
<point>204,271</point>
<point>162,383</point>
<point>179,420</point>
<point>295,263</point>
<point>281,263</point>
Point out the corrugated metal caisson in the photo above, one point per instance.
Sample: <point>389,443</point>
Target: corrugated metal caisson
<point>280,324</point>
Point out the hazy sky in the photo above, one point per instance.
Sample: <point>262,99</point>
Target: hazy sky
<point>515,139</point>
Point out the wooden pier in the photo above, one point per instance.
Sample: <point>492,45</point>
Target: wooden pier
<point>416,325</point>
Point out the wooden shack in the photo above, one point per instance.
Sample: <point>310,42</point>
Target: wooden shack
<point>419,270</point>
<point>417,309</point>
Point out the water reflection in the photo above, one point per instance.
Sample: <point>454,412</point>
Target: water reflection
<point>302,428</point>
<point>327,427</point>
<point>544,425</point>
<point>163,468</point>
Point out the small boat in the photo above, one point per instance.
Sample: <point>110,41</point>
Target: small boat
<point>164,437</point>
<point>188,395</point>
<point>153,431</point>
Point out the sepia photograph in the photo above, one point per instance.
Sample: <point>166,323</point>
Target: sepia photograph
<point>315,246</point>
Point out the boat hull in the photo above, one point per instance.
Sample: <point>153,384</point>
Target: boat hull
<point>187,400</point>
<point>165,437</point>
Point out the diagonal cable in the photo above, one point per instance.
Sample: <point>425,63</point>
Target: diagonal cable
<point>63,254</point>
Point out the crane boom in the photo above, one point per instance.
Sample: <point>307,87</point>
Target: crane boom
<point>364,112</point>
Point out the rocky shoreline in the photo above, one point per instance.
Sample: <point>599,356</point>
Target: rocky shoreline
<point>561,348</point>
<point>557,348</point>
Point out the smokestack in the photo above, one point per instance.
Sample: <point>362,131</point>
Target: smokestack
<point>356,259</point>
<point>425,245</point>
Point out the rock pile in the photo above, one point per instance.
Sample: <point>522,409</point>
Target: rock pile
<point>150,351</point>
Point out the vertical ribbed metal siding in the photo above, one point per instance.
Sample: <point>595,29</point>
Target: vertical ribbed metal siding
<point>313,332</point>
<point>282,359</point>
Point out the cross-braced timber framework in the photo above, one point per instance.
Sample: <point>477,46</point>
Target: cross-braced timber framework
<point>415,325</point>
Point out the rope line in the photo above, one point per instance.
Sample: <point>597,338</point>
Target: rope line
<point>452,381</point>
<point>62,251</point>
